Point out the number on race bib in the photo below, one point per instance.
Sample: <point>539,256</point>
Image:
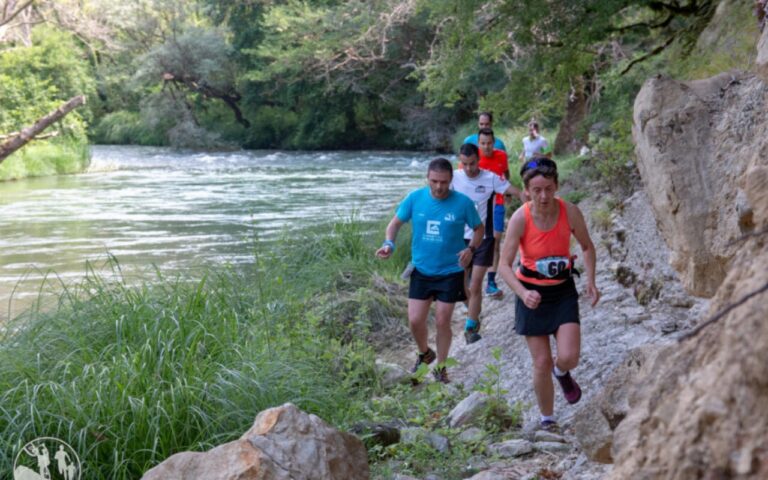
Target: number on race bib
<point>551,267</point>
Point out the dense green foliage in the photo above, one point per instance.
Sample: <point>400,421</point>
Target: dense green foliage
<point>314,74</point>
<point>34,81</point>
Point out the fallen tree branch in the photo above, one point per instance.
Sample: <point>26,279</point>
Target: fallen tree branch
<point>54,133</point>
<point>27,134</point>
<point>722,313</point>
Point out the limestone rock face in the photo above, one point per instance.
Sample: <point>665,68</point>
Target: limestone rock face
<point>283,443</point>
<point>694,143</point>
<point>704,412</point>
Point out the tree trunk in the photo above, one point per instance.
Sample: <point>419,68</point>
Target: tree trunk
<point>575,112</point>
<point>17,141</point>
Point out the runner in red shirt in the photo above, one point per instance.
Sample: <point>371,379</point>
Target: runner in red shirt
<point>496,161</point>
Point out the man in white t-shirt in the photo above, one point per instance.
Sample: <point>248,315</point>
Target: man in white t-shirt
<point>481,186</point>
<point>534,144</point>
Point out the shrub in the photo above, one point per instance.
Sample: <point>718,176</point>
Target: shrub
<point>614,159</point>
<point>126,128</point>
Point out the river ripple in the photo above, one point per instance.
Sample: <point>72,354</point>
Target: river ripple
<point>156,206</point>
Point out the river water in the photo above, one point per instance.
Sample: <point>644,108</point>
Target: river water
<point>157,206</point>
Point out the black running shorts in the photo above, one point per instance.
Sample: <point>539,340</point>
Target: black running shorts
<point>484,254</point>
<point>559,305</point>
<point>445,288</point>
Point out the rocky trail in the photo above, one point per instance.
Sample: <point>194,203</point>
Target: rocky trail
<point>659,403</point>
<point>632,259</point>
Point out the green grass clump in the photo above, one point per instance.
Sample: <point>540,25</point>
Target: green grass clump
<point>602,218</point>
<point>46,158</point>
<point>426,408</point>
<point>129,375</point>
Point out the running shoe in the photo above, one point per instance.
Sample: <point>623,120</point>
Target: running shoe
<point>471,335</point>
<point>550,426</point>
<point>424,358</point>
<point>571,389</point>
<point>441,375</point>
<point>492,290</point>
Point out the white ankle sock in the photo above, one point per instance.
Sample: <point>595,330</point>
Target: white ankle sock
<point>545,418</point>
<point>559,372</point>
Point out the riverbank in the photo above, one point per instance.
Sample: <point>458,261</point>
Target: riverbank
<point>128,375</point>
<point>45,159</point>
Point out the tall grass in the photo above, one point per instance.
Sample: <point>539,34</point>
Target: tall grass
<point>129,375</point>
<point>46,158</point>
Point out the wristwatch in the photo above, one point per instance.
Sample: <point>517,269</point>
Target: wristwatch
<point>471,248</point>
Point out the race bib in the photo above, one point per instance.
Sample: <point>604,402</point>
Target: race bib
<point>551,267</point>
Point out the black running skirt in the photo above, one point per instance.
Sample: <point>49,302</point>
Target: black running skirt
<point>559,305</point>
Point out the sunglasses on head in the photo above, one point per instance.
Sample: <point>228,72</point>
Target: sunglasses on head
<point>538,163</point>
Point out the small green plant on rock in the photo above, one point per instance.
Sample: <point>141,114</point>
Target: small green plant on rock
<point>575,196</point>
<point>602,218</point>
<point>615,159</point>
<point>499,415</point>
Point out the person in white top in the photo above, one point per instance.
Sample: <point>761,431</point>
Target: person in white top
<point>534,144</point>
<point>481,186</point>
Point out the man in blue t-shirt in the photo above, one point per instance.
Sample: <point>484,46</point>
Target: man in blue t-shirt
<point>439,256</point>
<point>485,120</point>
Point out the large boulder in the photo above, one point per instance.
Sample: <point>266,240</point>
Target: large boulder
<point>468,410</point>
<point>284,443</point>
<point>694,141</point>
<point>704,413</point>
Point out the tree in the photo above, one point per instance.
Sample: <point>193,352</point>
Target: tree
<point>548,51</point>
<point>196,62</point>
<point>357,58</point>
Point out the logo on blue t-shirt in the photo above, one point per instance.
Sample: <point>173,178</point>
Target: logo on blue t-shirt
<point>433,227</point>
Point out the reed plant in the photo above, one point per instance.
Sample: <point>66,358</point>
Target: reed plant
<point>129,374</point>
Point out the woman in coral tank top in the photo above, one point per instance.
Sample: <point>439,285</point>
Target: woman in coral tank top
<point>547,300</point>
